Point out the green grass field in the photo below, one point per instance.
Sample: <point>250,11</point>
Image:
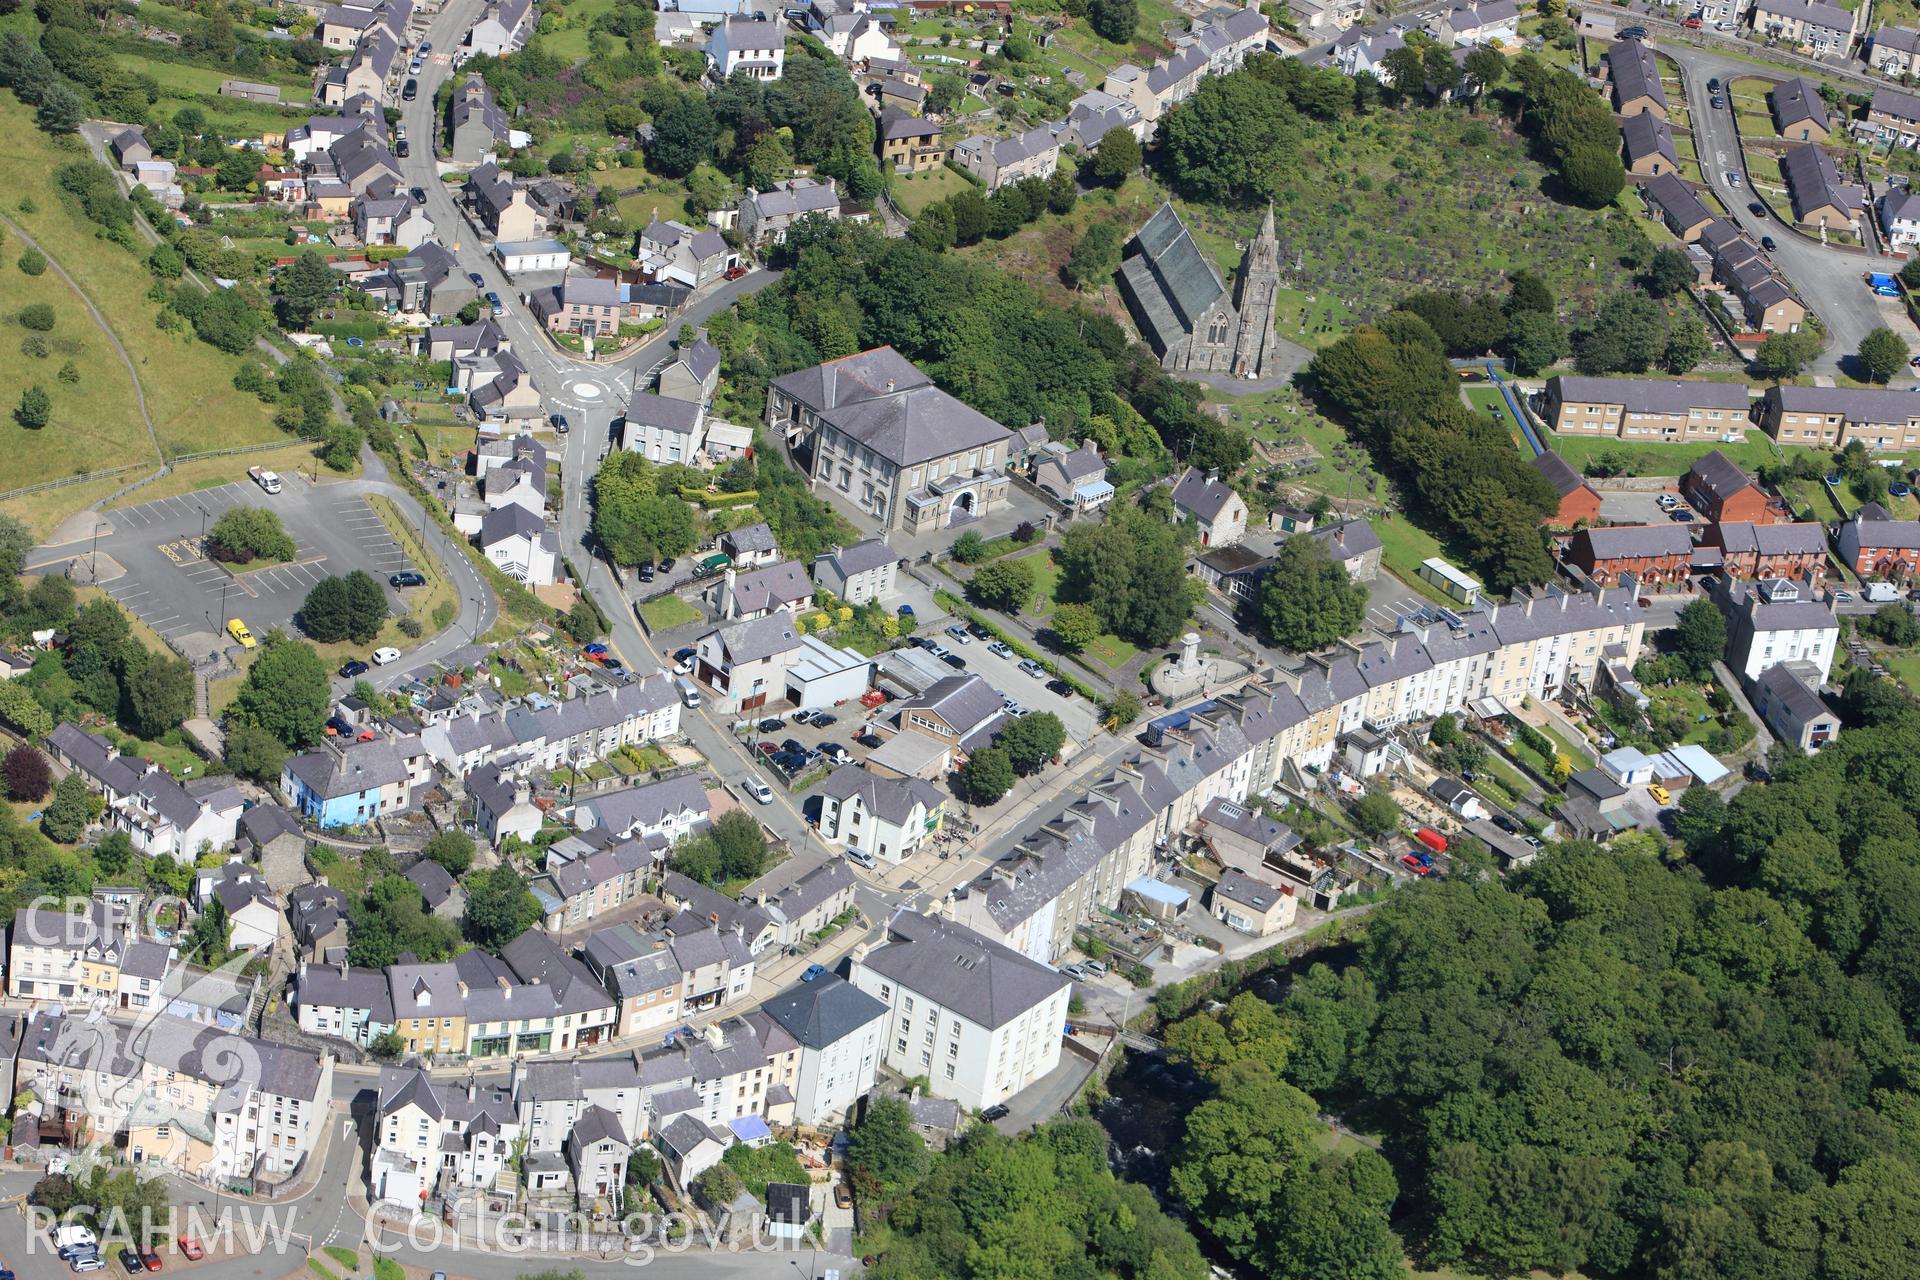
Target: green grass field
<point>913,192</point>
<point>573,20</point>
<point>1647,459</point>
<point>665,612</point>
<point>188,384</point>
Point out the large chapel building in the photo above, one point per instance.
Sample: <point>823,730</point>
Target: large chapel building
<point>1183,308</point>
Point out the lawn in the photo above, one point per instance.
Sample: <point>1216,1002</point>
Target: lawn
<point>1578,752</point>
<point>1487,400</point>
<point>96,421</point>
<point>1403,545</point>
<point>662,613</point>
<point>570,40</point>
<point>194,407</point>
<point>1046,581</point>
<point>1111,651</point>
<point>913,192</point>
<point>1644,458</point>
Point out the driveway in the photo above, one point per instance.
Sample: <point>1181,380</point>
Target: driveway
<point>1827,279</point>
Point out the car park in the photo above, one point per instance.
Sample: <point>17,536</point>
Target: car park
<point>408,578</point>
<point>355,667</point>
<point>381,657</point>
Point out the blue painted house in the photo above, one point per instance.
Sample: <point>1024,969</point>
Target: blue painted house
<point>351,784</point>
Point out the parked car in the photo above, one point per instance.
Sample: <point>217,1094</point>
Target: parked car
<point>493,300</point>
<point>793,746</point>
<point>813,971</point>
<point>1032,668</point>
<point>1631,33</point>
<point>979,632</point>
<point>842,1198</point>
<point>355,667</point>
<point>959,633</point>
<point>954,660</point>
<point>191,1248</point>
<point>1415,864</point>
<point>760,791</point>
<point>411,91</point>
<point>772,724</point>
<point>402,149</point>
<point>769,749</point>
<point>934,647</point>
<point>479,281</point>
<point>734,273</point>
<point>868,739</point>
<point>238,630</point>
<point>1074,971</point>
<point>836,753</point>
<point>1000,648</point>
<point>408,578</point>
<point>1505,823</point>
<point>130,1261</point>
<point>1693,24</point>
<point>998,1111</point>
<point>821,719</point>
<point>149,1259</point>
<point>1060,687</point>
<point>802,716</point>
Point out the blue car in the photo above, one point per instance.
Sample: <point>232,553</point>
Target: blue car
<point>595,648</point>
<point>813,971</point>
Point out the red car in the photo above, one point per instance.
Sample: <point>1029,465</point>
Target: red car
<point>191,1247</point>
<point>150,1260</point>
<point>1692,24</point>
<point>1414,864</point>
<point>734,273</point>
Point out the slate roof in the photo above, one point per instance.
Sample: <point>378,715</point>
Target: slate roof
<point>1647,134</point>
<point>1852,404</point>
<point>434,881</point>
<point>1238,886</point>
<point>961,970</point>
<point>325,986</point>
<point>1635,74</point>
<point>744,34</point>
<point>510,521</point>
<point>1170,278</point>
<point>589,291</point>
<point>771,586</point>
<point>1800,538</point>
<point>759,638</point>
<point>474,101</point>
<point>757,536</point>
<point>1814,182</point>
<point>1791,692</point>
<point>1798,101</point>
<point>1718,475</point>
<point>795,198</point>
<point>880,400</point>
<point>648,805</point>
<point>1202,495</point>
<point>700,358</point>
<point>1895,103</point>
<point>1559,472</point>
<point>890,799</point>
<point>1883,531</point>
<point>897,124</point>
<point>862,557</point>
<point>1347,540</point>
<point>1614,542</point>
<point>352,767</point>
<point>680,417</point>
<point>823,1012</point>
<point>1676,200</point>
<point>1903,39</point>
<point>966,702</point>
<point>1832,17</point>
<point>1652,395</point>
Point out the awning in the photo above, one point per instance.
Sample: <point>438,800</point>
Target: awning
<point>1158,891</point>
<point>750,1129</point>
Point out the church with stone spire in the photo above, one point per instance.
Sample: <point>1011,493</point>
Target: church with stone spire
<point>1182,306</point>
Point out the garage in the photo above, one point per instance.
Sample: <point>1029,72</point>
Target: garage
<point>520,256</point>
<point>823,676</point>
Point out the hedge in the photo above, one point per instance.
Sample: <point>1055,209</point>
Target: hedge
<point>955,605</point>
<point>710,501</point>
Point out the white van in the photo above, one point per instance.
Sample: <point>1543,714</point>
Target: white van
<point>689,692</point>
<point>74,1235</point>
<point>760,791</point>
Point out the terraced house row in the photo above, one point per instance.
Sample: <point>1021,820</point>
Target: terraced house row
<point>1291,718</point>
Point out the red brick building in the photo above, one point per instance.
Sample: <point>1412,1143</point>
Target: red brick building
<point>1875,545</point>
<point>1579,504</point>
<point>1723,492</point>
<point>1655,554</point>
<point>1794,551</point>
